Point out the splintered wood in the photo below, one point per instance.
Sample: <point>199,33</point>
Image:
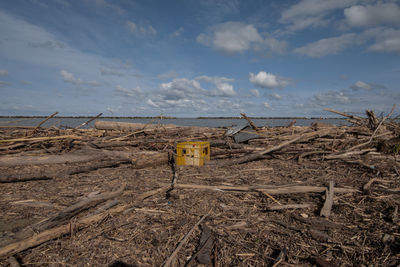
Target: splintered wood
<point>295,196</point>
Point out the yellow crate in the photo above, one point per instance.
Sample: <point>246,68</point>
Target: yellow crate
<point>192,153</point>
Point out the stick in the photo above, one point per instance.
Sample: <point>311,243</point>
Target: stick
<point>345,114</point>
<point>34,139</point>
<point>290,206</point>
<point>13,262</point>
<point>183,242</point>
<point>86,123</point>
<point>41,123</point>
<point>326,209</point>
<point>250,122</point>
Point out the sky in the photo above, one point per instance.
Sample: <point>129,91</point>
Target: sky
<point>191,58</point>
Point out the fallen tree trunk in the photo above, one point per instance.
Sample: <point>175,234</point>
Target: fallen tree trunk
<point>129,126</point>
<point>81,157</point>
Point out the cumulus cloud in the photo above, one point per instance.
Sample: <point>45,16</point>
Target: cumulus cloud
<point>70,78</point>
<point>312,13</point>
<point>131,92</point>
<point>223,88</point>
<point>3,72</point>
<point>365,86</point>
<point>386,40</point>
<point>373,15</point>
<point>254,93</point>
<point>181,88</point>
<point>329,46</point>
<point>276,96</point>
<point>134,28</point>
<point>237,37</point>
<point>331,98</point>
<point>268,80</point>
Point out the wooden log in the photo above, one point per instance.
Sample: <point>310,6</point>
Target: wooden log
<point>270,189</point>
<point>171,258</point>
<point>67,213</point>
<point>129,126</point>
<point>37,139</point>
<point>326,209</point>
<point>140,159</point>
<point>254,156</point>
<point>53,233</point>
<point>250,122</point>
<point>42,122</point>
<point>87,122</point>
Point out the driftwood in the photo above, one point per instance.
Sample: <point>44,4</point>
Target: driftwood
<point>171,258</point>
<point>67,213</point>
<point>59,231</point>
<point>42,122</point>
<point>326,209</point>
<point>303,137</point>
<point>36,139</point>
<point>129,126</point>
<point>87,122</point>
<point>290,206</point>
<point>50,234</point>
<point>139,159</point>
<point>250,122</point>
<point>272,190</point>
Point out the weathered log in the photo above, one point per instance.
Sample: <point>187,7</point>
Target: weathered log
<point>250,122</point>
<point>67,213</point>
<point>272,190</point>
<point>326,209</point>
<point>129,126</point>
<point>259,155</point>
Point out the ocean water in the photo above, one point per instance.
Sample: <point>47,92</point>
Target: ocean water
<point>206,122</point>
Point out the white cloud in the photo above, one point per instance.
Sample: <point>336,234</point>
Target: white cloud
<point>331,98</point>
<point>178,32</point>
<point>254,92</point>
<point>386,40</point>
<point>148,30</point>
<point>373,15</point>
<point>70,78</point>
<point>132,92</point>
<point>181,88</point>
<point>366,86</point>
<point>268,80</point>
<point>134,28</point>
<point>267,105</point>
<point>237,37</point>
<point>2,84</point>
<point>276,96</point>
<point>329,46</point>
<point>312,13</point>
<point>131,26</point>
<point>223,88</point>
<point>3,72</point>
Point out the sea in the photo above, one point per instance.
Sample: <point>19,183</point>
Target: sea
<point>71,122</point>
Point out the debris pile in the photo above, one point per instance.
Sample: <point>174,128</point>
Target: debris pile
<point>319,195</point>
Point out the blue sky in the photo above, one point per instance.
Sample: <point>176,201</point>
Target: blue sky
<point>194,58</point>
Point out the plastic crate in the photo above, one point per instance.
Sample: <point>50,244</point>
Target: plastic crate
<point>192,153</point>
